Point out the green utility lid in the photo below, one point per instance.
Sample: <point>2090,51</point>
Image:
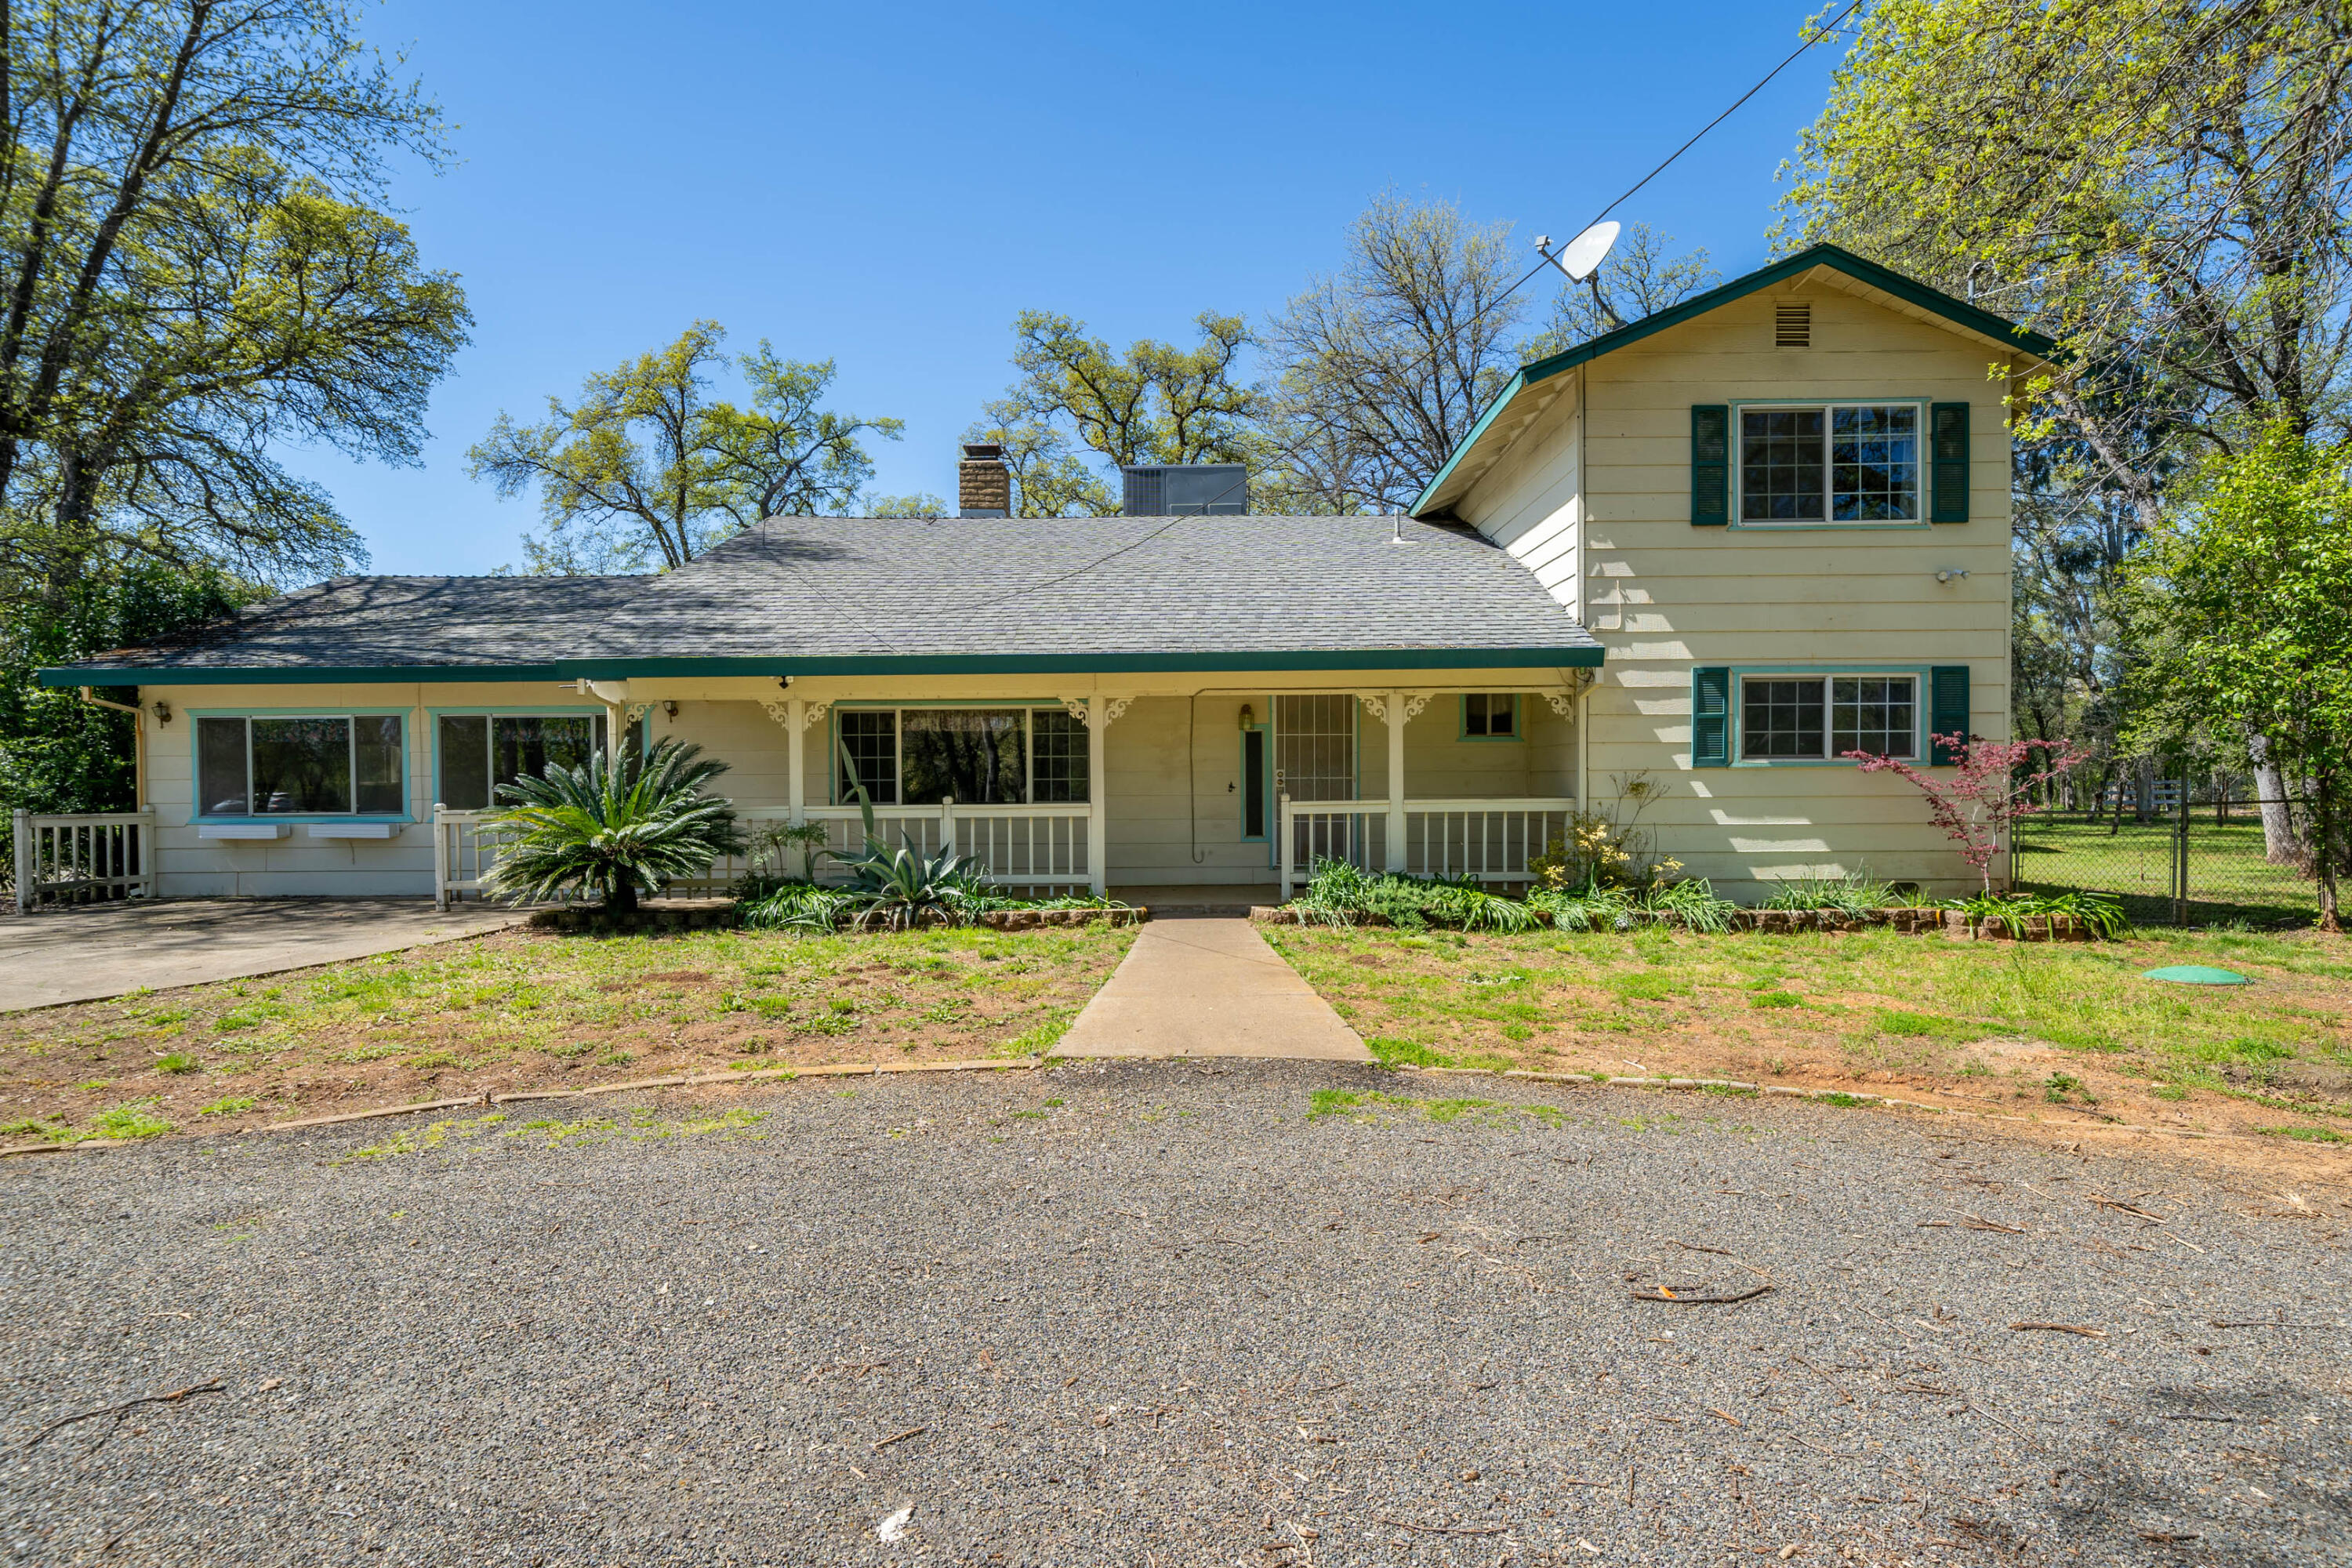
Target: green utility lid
<point>2195,975</point>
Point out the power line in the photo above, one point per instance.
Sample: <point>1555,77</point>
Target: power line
<point>1827,28</point>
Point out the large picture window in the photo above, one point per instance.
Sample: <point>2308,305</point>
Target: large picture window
<point>974,757</point>
<point>480,751</point>
<point>1830,463</point>
<point>1818,717</point>
<point>337,765</point>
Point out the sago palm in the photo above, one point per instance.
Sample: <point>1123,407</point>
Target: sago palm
<point>611,828</point>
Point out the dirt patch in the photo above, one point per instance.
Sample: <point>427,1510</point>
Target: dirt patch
<point>533,1009</point>
<point>2068,1036</point>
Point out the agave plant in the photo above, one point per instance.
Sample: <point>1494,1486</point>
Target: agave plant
<point>903,888</point>
<point>611,827</point>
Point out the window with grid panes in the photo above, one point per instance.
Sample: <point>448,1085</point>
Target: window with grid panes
<point>1838,462</point>
<point>1779,718</point>
<point>1785,718</point>
<point>870,740</point>
<point>1057,756</point>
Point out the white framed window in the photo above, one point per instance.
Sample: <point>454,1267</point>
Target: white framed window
<point>479,752</point>
<point>1821,718</point>
<point>974,757</point>
<point>1802,464</point>
<point>302,764</point>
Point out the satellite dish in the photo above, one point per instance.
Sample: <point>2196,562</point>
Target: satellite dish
<point>1580,257</point>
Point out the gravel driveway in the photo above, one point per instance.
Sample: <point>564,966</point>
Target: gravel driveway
<point>1153,1314</point>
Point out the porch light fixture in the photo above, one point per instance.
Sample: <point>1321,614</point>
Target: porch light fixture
<point>1249,716</point>
<point>163,712</point>
<point>669,707</point>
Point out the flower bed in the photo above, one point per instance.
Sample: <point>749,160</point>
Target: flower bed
<point>1340,895</point>
<point>1904,919</point>
<point>718,914</point>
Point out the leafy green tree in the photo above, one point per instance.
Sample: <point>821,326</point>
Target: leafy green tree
<point>1154,403</point>
<point>2245,626</point>
<point>195,270</point>
<point>57,752</point>
<point>2159,185</point>
<point>648,468</point>
<point>612,827</point>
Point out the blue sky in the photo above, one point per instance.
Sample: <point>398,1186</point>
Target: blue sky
<point>887,185</point>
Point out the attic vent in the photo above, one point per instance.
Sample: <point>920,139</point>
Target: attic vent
<point>1793,325</point>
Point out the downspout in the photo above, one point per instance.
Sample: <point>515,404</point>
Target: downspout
<point>138,744</point>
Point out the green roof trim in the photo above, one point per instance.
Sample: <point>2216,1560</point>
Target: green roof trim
<point>1586,657</point>
<point>1959,313</point>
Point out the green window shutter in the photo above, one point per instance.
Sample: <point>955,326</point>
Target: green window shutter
<point>1948,711</point>
<point>1947,424</point>
<point>1711,716</point>
<point>1710,465</point>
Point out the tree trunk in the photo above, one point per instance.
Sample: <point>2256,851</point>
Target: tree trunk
<point>2143,790</point>
<point>2325,849</point>
<point>2282,845</point>
<point>622,898</point>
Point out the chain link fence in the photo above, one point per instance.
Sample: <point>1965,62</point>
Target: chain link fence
<point>2186,854</point>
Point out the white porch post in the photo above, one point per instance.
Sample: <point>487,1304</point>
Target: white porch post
<point>795,762</point>
<point>25,863</point>
<point>1397,716</point>
<point>1098,789</point>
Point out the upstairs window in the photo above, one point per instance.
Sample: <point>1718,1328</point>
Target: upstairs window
<point>337,765</point>
<point>1829,463</point>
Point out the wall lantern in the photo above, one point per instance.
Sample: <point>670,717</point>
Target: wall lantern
<point>162,712</point>
<point>669,706</point>
<point>1249,716</point>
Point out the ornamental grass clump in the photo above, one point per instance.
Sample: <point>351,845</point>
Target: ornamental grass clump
<point>611,827</point>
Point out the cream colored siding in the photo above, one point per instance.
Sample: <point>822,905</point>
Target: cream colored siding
<point>1155,826</point>
<point>1664,596</point>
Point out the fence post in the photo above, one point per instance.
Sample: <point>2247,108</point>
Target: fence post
<point>947,825</point>
<point>440,859</point>
<point>2181,858</point>
<point>26,900</point>
<point>1282,854</point>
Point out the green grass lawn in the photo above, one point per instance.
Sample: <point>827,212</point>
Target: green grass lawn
<point>524,1009</point>
<point>2229,878</point>
<point>2013,1024</point>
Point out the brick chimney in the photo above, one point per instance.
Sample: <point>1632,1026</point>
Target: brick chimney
<point>983,485</point>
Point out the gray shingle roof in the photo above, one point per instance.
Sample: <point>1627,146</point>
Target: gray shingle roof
<point>818,595</point>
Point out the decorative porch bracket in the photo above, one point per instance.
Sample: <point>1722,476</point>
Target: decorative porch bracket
<point>798,716</point>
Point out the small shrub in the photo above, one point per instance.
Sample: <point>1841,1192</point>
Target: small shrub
<point>135,1120</point>
<point>1845,895</point>
<point>177,1061</point>
<point>2060,1086</point>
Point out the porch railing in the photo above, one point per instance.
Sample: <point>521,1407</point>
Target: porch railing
<point>1486,840</point>
<point>83,860</point>
<point>1036,846</point>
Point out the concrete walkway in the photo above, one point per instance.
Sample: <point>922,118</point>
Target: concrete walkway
<point>84,954</point>
<point>1209,987</point>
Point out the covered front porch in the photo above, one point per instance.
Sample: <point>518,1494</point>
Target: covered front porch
<point>1157,791</point>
